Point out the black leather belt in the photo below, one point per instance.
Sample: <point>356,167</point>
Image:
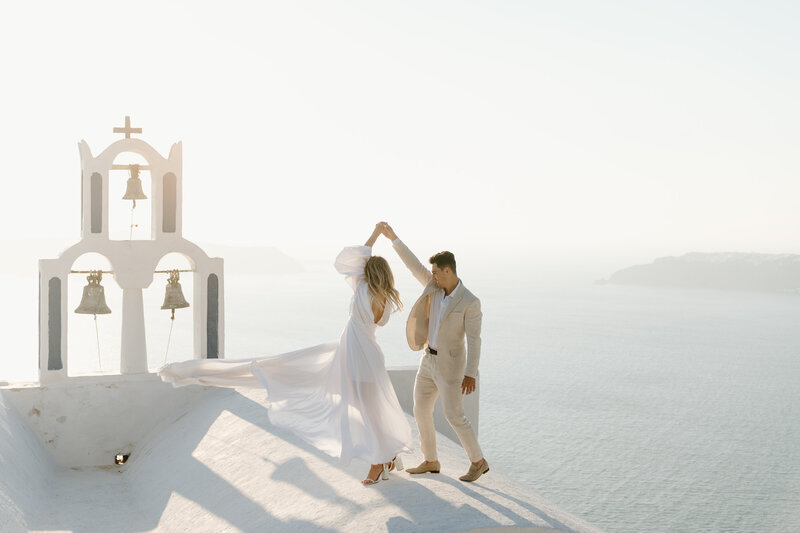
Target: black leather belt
<point>432,351</point>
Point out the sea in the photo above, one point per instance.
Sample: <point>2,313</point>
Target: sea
<point>638,409</point>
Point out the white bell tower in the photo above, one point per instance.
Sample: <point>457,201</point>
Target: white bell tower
<point>133,262</point>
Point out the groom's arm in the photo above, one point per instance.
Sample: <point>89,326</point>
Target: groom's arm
<point>472,324</point>
<point>419,271</point>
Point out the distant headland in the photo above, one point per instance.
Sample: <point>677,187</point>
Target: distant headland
<point>737,271</point>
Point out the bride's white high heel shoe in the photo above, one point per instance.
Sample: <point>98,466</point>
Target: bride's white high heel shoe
<point>383,475</point>
<point>394,464</point>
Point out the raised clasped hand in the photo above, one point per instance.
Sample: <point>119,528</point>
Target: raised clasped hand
<point>387,231</point>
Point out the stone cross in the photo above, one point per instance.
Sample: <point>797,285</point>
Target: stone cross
<point>127,130</point>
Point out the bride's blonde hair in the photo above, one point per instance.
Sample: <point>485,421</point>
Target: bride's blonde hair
<point>380,282</point>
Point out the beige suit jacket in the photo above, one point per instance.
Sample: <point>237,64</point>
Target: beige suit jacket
<point>461,320</point>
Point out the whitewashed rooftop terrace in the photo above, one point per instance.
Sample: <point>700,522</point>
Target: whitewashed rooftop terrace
<point>221,466</point>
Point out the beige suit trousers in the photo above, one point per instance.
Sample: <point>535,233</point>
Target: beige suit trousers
<point>427,387</point>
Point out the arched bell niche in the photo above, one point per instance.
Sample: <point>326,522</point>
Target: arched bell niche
<point>82,336</point>
<point>157,321</point>
<point>119,210</point>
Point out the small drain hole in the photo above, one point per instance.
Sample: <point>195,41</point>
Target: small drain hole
<point>120,458</point>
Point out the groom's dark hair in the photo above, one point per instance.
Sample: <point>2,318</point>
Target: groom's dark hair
<point>444,259</point>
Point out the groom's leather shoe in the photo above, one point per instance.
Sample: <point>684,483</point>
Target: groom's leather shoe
<point>424,467</point>
<point>475,471</point>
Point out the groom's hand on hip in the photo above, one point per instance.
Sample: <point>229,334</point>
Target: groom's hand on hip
<point>468,385</point>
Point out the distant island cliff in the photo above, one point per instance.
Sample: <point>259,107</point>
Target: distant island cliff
<point>740,271</point>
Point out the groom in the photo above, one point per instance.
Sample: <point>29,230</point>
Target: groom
<point>440,319</point>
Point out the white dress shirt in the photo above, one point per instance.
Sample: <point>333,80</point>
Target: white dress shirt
<point>439,305</point>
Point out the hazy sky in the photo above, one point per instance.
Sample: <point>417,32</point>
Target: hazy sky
<point>661,127</point>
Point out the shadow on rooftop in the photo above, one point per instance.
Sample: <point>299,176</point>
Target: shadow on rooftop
<point>473,493</point>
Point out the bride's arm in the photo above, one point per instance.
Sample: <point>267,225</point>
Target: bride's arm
<point>374,237</point>
<point>352,259</point>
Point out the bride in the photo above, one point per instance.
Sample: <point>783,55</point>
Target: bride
<point>336,396</point>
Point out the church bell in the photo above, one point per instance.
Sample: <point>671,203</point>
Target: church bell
<point>134,191</point>
<point>94,296</point>
<point>173,298</point>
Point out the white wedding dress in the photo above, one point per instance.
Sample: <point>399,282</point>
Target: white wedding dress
<point>336,396</point>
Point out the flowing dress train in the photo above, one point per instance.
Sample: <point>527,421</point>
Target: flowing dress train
<point>337,395</point>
